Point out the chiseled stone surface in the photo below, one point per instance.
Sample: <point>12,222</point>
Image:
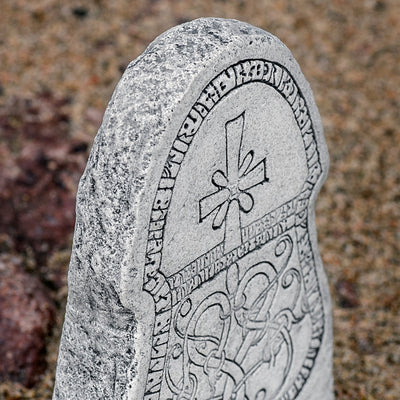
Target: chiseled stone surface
<point>195,272</point>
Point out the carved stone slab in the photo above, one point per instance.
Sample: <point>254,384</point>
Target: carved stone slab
<point>195,271</point>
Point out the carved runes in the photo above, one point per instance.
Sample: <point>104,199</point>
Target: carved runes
<point>238,307</point>
<point>221,270</point>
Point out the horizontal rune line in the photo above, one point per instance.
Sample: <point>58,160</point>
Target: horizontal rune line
<point>209,264</point>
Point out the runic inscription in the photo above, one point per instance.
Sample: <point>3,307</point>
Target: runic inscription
<point>257,286</point>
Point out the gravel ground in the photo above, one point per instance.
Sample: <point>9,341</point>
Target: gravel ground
<point>349,52</point>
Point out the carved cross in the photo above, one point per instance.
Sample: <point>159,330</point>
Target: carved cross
<point>232,194</point>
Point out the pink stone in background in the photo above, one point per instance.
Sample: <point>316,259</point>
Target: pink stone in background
<point>27,314</point>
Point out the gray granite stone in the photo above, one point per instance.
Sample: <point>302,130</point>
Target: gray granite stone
<point>195,271</point>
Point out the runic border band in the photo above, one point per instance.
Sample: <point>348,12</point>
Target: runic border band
<point>210,264</point>
<point>164,289</point>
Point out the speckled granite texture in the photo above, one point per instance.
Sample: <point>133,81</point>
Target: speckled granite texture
<point>119,289</point>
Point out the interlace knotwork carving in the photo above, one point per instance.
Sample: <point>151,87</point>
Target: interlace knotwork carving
<point>217,354</point>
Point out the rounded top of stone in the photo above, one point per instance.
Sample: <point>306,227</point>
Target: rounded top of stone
<point>209,33</point>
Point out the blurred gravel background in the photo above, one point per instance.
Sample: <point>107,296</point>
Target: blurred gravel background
<point>59,63</point>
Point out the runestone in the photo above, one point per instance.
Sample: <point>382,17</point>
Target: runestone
<point>195,271</point>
